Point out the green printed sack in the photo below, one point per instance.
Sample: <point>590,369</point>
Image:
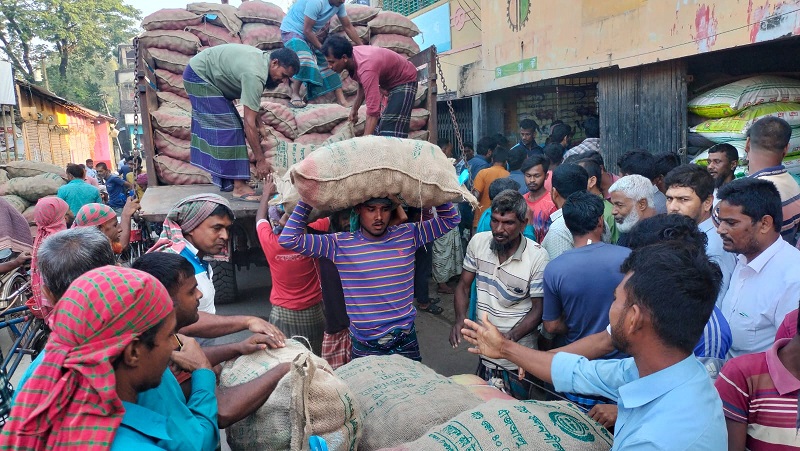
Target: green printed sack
<point>736,127</point>
<point>512,424</point>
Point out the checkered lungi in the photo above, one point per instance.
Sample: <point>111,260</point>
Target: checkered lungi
<point>308,323</point>
<point>396,117</point>
<point>336,348</point>
<point>320,79</point>
<point>398,341</point>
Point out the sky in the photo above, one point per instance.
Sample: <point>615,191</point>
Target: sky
<point>151,6</point>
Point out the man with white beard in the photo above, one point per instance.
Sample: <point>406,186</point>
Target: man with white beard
<point>632,198</point>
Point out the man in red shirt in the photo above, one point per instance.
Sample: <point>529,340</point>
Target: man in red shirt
<point>538,197</point>
<point>296,295</point>
<point>376,70</point>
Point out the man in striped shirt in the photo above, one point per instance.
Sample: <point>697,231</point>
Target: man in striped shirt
<point>376,265</point>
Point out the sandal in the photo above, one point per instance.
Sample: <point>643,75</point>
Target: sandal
<point>297,103</point>
<point>433,309</point>
<point>252,197</point>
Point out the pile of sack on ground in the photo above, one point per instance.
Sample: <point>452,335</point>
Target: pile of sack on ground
<point>730,110</point>
<point>173,36</point>
<point>393,403</point>
<point>23,183</point>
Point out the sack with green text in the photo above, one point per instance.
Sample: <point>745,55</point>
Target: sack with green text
<point>513,424</point>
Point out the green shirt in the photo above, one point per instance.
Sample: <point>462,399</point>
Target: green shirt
<point>611,225</point>
<point>239,71</point>
<point>78,193</point>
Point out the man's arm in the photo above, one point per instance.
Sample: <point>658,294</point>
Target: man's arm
<point>359,100</point>
<point>556,327</point>
<point>592,347</point>
<point>478,185</point>
<point>131,205</point>
<point>461,305</point>
<point>253,139</point>
<point>223,353</point>
<point>21,259</point>
<point>370,85</point>
<point>447,218</point>
<point>350,30</point>
<point>737,435</point>
<point>213,326</point>
<point>529,322</point>
<point>236,403</point>
<point>294,237</point>
<point>263,206</point>
<point>308,32</point>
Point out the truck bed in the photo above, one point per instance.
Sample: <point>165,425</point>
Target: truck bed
<point>158,200</point>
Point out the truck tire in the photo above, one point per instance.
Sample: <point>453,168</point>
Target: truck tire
<point>224,282</point>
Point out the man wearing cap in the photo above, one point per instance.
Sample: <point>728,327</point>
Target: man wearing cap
<point>376,265</point>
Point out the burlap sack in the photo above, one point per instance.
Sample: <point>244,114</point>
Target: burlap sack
<point>177,172</point>
<point>170,19</point>
<point>358,127</point>
<point>389,22</point>
<point>401,399</point>
<point>3,176</point>
<point>422,95</point>
<point>421,135</point>
<point>168,99</point>
<point>30,215</point>
<point>319,118</point>
<point>170,82</point>
<point>344,174</point>
<point>256,11</point>
<point>362,31</point>
<point>310,400</point>
<point>358,14</point>
<point>312,138</point>
<point>174,62</point>
<point>349,86</point>
<point>171,146</point>
<point>280,118</point>
<point>226,15</point>
<point>419,119</point>
<point>263,36</point>
<point>395,42</point>
<point>17,202</point>
<point>25,168</point>
<point>176,40</point>
<point>211,35</point>
<point>34,188</point>
<point>512,424</point>
<point>282,91</point>
<point>173,121</point>
<point>328,97</point>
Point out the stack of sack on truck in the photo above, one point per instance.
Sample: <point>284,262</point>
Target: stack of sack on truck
<point>173,36</point>
<point>23,183</point>
<point>731,110</point>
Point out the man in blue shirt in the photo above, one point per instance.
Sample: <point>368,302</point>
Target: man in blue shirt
<point>527,138</point>
<point>665,398</point>
<point>77,193</point>
<point>117,188</point>
<point>481,159</point>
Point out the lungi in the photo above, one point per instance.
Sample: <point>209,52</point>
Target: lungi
<point>396,117</point>
<point>398,341</point>
<point>218,140</point>
<point>336,348</point>
<point>308,323</point>
<point>314,70</point>
<point>448,256</point>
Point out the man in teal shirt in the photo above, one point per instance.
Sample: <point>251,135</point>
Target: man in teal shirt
<point>77,192</point>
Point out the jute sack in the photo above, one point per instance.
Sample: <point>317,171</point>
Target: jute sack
<point>513,424</point>
<point>34,188</point>
<point>401,399</point>
<point>358,14</point>
<point>168,99</point>
<point>30,215</point>
<point>177,172</point>
<point>421,97</point>
<point>312,138</point>
<point>174,62</point>
<point>226,15</point>
<point>171,146</point>
<point>319,118</point>
<point>309,400</point>
<point>173,121</point>
<point>421,135</point>
<point>361,30</point>
<point>3,176</point>
<point>282,91</point>
<point>389,22</point>
<point>170,19</point>
<point>282,154</point>
<point>17,202</point>
<point>280,118</point>
<point>349,86</point>
<point>25,168</point>
<point>347,173</point>
<point>211,35</point>
<point>263,36</point>
<point>730,99</point>
<point>395,42</point>
<point>176,40</point>
<point>419,119</point>
<point>256,11</point>
<point>170,82</point>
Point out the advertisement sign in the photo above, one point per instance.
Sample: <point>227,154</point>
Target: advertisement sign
<point>435,28</point>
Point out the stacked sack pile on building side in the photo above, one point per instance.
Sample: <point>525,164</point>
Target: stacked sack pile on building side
<point>23,183</point>
<point>173,36</point>
<point>730,110</point>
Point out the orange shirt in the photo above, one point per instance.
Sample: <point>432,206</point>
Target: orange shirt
<point>482,181</point>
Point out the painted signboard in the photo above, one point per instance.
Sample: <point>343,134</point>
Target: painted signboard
<point>435,28</point>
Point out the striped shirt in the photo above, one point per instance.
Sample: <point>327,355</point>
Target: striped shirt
<point>504,290</point>
<point>377,275</point>
<point>757,389</point>
<point>790,199</point>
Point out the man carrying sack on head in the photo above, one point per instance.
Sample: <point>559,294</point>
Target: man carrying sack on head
<point>213,79</point>
<point>376,70</point>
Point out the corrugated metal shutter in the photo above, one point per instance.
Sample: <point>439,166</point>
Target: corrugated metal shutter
<point>643,107</point>
<point>463,112</point>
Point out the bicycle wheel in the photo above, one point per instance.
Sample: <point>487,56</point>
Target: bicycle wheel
<point>16,282</point>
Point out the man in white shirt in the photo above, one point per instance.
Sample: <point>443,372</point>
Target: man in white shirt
<point>766,281</point>
<point>567,179</point>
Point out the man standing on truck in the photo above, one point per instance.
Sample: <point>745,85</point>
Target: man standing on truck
<point>377,70</point>
<point>305,23</point>
<point>213,79</point>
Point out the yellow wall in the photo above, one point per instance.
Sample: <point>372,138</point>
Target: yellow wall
<point>572,36</point>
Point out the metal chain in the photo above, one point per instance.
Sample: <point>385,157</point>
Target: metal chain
<point>136,97</point>
<point>450,108</point>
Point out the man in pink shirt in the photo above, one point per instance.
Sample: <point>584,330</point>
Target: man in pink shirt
<point>376,70</point>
